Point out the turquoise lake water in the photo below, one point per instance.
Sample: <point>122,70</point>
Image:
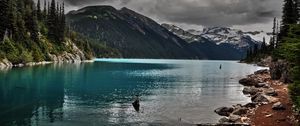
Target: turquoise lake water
<point>101,93</point>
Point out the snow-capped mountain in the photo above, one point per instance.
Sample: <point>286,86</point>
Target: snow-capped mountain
<point>219,41</point>
<point>220,35</point>
<point>235,37</point>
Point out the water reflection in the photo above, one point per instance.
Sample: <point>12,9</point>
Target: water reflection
<point>101,93</point>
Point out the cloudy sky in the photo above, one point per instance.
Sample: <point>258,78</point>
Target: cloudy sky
<point>248,15</point>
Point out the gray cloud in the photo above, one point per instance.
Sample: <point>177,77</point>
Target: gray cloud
<point>198,12</point>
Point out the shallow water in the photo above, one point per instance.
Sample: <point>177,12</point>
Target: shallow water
<point>101,93</point>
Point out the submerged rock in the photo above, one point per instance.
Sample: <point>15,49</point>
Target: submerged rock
<point>224,111</point>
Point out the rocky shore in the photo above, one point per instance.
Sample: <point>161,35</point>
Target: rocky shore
<point>270,104</point>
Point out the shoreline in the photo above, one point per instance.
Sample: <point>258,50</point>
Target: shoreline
<point>270,106</point>
<point>5,64</point>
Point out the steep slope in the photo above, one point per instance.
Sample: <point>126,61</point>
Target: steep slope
<point>134,35</point>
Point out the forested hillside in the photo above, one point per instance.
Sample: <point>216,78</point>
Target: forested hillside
<point>34,32</point>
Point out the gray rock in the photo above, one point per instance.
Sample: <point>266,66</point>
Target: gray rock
<point>240,111</point>
<point>248,82</point>
<point>234,118</point>
<point>224,111</point>
<point>278,106</point>
<point>251,90</point>
<point>224,120</point>
<point>259,98</point>
<point>5,64</point>
<point>271,92</point>
<point>262,85</point>
<point>250,105</point>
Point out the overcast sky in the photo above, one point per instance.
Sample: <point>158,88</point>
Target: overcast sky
<point>248,15</point>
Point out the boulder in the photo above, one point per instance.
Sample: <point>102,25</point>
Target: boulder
<point>251,90</point>
<point>240,111</point>
<point>265,71</point>
<point>271,92</point>
<point>250,105</point>
<point>248,82</point>
<point>262,85</point>
<point>260,97</point>
<point>234,118</point>
<point>224,111</point>
<point>224,120</point>
<point>278,106</point>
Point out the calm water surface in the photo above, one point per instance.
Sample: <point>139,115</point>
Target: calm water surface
<point>101,93</point>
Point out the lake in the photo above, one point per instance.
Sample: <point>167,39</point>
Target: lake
<point>101,93</point>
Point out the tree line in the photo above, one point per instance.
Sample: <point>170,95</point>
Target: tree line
<point>27,28</point>
<point>280,30</point>
<point>285,46</point>
<point>20,17</point>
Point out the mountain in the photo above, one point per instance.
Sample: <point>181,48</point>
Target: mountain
<point>217,42</point>
<point>132,34</point>
<point>235,37</point>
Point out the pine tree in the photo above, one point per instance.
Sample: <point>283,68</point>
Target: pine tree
<point>274,33</point>
<point>271,46</point>
<point>263,47</point>
<point>297,9</point>
<point>62,23</point>
<point>39,11</point>
<point>289,17</point>
<point>3,18</point>
<point>45,11</point>
<point>51,22</point>
<point>12,18</point>
<point>34,25</point>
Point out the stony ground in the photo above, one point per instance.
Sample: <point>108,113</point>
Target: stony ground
<point>270,106</point>
<point>264,115</point>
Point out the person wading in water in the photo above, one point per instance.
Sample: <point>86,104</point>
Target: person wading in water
<point>136,103</point>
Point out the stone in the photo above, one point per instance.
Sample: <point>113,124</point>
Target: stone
<point>260,98</point>
<point>261,85</point>
<point>251,90</point>
<point>248,82</point>
<point>250,105</point>
<point>271,92</point>
<point>278,106</point>
<point>264,71</point>
<point>224,111</point>
<point>269,115</point>
<point>234,118</point>
<point>240,111</point>
<point>224,120</point>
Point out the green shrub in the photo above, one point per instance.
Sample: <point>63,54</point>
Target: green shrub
<point>26,57</point>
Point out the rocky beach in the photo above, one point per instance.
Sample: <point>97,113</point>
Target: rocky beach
<point>270,106</point>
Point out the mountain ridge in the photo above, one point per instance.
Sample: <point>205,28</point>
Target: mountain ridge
<point>137,36</point>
